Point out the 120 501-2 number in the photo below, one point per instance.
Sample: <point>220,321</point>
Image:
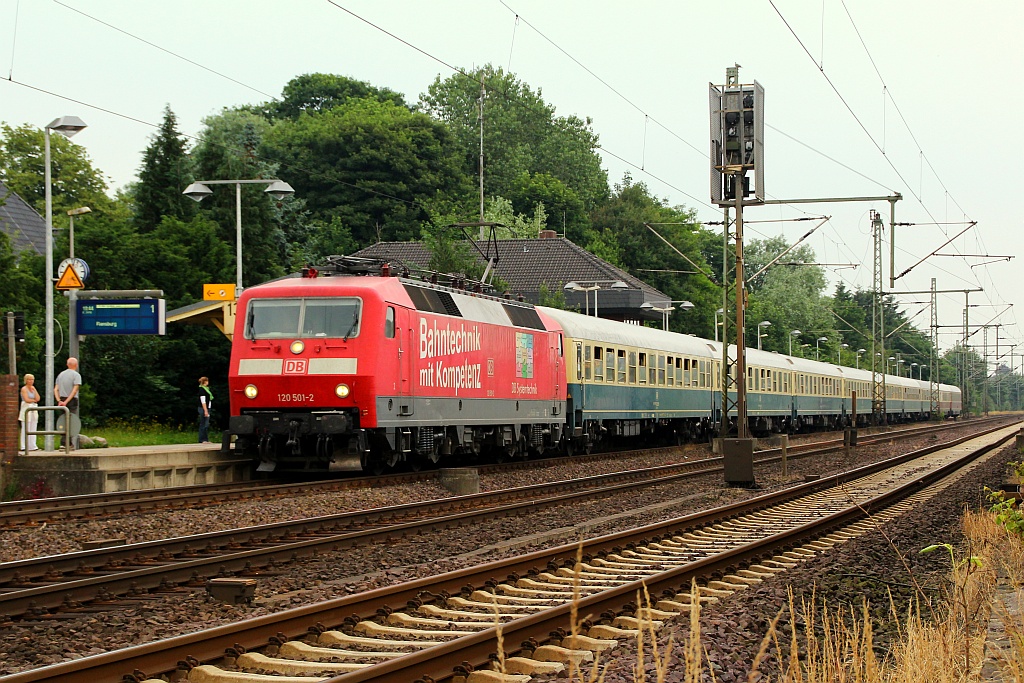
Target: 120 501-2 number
<point>295,398</point>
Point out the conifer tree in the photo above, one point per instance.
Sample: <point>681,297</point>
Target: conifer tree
<point>166,171</point>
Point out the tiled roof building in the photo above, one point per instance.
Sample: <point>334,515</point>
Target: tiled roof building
<point>526,264</point>
<point>25,228</point>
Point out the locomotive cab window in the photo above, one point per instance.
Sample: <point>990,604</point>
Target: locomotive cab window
<point>288,318</point>
<point>389,323</point>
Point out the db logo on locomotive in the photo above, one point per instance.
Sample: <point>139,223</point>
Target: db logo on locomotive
<point>295,366</point>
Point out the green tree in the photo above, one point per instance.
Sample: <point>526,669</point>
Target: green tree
<point>377,166</point>
<point>522,135</point>
<point>318,92</point>
<point>565,211</point>
<point>500,210</point>
<point>74,180</point>
<point>790,297</point>
<point>230,149</point>
<point>623,238</point>
<point>20,275</point>
<point>165,173</point>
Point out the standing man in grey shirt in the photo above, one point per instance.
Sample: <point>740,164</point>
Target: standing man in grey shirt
<point>66,393</point>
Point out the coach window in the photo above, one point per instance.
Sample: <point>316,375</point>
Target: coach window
<point>598,364</point>
<point>609,358</point>
<point>661,370</point>
<point>389,323</point>
<point>642,376</point>
<point>632,367</point>
<point>621,360</point>
<point>586,361</point>
<point>671,375</point>
<point>652,378</point>
<point>679,371</point>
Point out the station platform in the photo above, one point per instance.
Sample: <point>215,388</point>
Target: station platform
<point>107,470</point>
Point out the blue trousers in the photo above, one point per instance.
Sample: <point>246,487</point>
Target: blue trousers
<point>204,428</point>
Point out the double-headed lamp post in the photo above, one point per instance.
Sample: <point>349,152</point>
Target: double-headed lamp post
<point>794,333</point>
<point>278,189</point>
<point>66,126</point>
<point>760,334</point>
<point>817,346</point>
<point>73,294</point>
<point>592,286</point>
<point>666,308</point>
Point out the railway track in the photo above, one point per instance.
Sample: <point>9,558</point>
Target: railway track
<point>95,506</point>
<point>64,584</point>
<point>431,628</point>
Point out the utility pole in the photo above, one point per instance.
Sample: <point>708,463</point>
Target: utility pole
<point>737,139</point>
<point>727,376</point>
<point>877,326</point>
<point>933,374</point>
<point>483,94</point>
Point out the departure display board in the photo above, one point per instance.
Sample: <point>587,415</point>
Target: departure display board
<point>121,316</point>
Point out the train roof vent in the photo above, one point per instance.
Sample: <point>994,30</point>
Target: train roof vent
<point>432,300</point>
<point>450,307</point>
<point>521,316</point>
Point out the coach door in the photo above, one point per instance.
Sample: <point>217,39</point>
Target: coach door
<point>406,405</point>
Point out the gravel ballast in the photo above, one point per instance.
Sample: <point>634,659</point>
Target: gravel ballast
<point>731,633</point>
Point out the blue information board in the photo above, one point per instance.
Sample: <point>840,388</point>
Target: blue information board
<point>121,316</point>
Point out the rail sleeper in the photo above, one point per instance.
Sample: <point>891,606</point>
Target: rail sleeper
<point>296,649</point>
<point>332,638</point>
<point>289,667</point>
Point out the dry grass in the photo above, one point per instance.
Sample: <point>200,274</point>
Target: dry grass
<point>837,646</point>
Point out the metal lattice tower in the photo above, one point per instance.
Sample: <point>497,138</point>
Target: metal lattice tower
<point>877,326</point>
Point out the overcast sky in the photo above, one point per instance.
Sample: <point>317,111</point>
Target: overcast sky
<point>863,98</point>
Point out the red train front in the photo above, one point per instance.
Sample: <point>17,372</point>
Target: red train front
<point>347,372</point>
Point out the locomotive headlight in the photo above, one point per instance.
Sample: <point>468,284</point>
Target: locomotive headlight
<point>251,391</point>
<point>297,346</point>
<point>341,390</point>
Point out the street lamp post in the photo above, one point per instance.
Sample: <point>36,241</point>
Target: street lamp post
<point>66,126</point>
<point>892,361</point>
<point>760,336</point>
<point>73,294</point>
<point>839,353</point>
<point>278,189</point>
<point>860,351</point>
<point>817,346</point>
<point>666,309</point>
<point>804,346</point>
<point>912,366</point>
<point>593,286</point>
<point>899,371</point>
<point>794,333</point>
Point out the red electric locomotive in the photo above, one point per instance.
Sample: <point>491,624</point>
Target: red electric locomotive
<point>339,372</point>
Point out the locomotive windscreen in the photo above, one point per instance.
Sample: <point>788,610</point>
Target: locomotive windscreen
<point>289,318</point>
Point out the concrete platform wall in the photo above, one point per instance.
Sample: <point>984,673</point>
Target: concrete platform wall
<point>127,469</point>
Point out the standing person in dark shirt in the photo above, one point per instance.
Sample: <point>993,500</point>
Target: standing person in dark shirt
<point>65,390</point>
<point>205,403</point>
